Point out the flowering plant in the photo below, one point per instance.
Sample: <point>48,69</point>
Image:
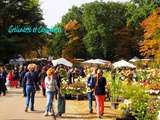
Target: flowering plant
<point>75,88</point>
<point>154,86</point>
<point>122,106</point>
<point>152,109</point>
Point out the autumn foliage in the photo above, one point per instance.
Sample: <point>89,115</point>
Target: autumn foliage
<point>72,25</point>
<point>74,47</point>
<point>151,44</point>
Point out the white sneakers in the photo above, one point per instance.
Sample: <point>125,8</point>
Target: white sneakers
<point>45,114</point>
<point>48,114</point>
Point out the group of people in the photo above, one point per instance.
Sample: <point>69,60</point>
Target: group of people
<point>9,79</point>
<point>31,77</point>
<point>50,85</point>
<point>95,82</point>
<point>96,86</point>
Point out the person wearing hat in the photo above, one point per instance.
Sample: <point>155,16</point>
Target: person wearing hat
<point>29,81</point>
<point>51,88</point>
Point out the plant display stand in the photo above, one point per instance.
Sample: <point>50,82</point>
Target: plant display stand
<point>81,97</point>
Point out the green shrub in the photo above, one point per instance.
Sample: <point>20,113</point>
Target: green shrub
<point>143,106</point>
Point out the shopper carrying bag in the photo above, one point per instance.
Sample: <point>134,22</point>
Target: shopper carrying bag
<point>51,88</point>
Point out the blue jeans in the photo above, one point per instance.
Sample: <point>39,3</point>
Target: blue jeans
<point>50,95</point>
<point>24,91</point>
<point>30,94</point>
<point>90,99</point>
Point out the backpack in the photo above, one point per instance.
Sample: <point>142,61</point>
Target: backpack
<point>91,82</point>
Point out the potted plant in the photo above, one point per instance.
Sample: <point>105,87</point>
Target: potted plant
<point>75,90</point>
<point>123,110</point>
<point>115,86</point>
<point>139,101</point>
<point>80,88</point>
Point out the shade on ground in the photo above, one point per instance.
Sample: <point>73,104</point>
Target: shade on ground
<point>12,108</point>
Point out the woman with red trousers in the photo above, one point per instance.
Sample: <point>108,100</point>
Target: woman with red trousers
<point>100,93</point>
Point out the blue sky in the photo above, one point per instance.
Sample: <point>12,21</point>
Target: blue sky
<point>53,10</point>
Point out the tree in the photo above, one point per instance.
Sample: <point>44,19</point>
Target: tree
<point>96,28</point>
<point>57,42</point>
<point>150,47</point>
<point>66,43</point>
<point>126,44</point>
<point>138,10</point>
<point>20,13</point>
<point>74,47</point>
<point>101,20</point>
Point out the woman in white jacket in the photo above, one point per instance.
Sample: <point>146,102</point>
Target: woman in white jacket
<point>51,88</point>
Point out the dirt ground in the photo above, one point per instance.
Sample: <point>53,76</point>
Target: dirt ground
<point>12,108</point>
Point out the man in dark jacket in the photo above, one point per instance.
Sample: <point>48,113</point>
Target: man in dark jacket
<point>70,76</point>
<point>2,81</point>
<point>23,84</point>
<point>42,76</point>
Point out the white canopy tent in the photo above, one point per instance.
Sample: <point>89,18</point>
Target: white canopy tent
<point>103,61</point>
<point>18,61</point>
<point>12,61</point>
<point>145,59</point>
<point>123,63</point>
<point>88,61</point>
<point>95,61</point>
<point>62,61</point>
<point>134,59</point>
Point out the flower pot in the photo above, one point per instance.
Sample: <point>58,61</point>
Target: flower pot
<point>68,96</point>
<point>74,97</point>
<point>80,97</point>
<point>114,105</point>
<point>129,117</point>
